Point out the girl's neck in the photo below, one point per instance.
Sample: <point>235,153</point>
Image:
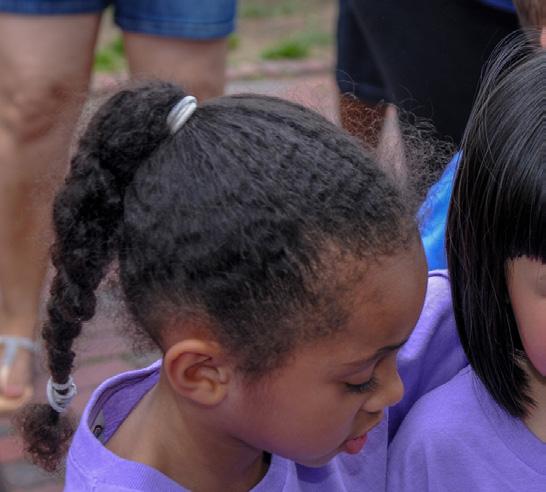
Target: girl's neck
<point>536,420</point>
<point>200,459</point>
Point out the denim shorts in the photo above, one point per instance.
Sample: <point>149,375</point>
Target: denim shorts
<point>193,19</point>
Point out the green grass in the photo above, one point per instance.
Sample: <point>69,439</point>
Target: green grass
<point>262,9</point>
<point>110,58</point>
<point>298,46</point>
<point>287,49</point>
<point>234,41</point>
<point>315,38</point>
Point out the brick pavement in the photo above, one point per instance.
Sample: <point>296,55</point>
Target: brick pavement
<point>102,350</point>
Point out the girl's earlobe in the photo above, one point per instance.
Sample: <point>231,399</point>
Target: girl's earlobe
<point>197,370</point>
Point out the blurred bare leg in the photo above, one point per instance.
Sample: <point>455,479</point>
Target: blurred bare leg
<point>390,148</point>
<point>45,64</point>
<point>199,66</point>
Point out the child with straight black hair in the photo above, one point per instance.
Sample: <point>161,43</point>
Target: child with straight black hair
<point>486,429</point>
<point>278,269</point>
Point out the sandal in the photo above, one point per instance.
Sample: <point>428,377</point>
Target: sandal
<point>12,344</point>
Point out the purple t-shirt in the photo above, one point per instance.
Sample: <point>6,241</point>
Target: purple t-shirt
<point>457,438</point>
<point>92,467</point>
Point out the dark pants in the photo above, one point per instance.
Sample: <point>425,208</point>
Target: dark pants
<point>425,56</point>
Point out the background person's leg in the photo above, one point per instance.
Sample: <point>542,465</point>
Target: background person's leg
<point>200,66</point>
<point>179,40</point>
<point>45,64</point>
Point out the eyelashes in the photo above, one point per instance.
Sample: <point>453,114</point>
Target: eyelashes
<point>365,387</point>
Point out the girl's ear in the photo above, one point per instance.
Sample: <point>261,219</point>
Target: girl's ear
<point>543,37</point>
<point>198,370</point>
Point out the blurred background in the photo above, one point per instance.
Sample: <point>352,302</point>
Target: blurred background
<point>280,47</point>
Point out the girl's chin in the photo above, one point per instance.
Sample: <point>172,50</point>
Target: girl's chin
<point>318,462</point>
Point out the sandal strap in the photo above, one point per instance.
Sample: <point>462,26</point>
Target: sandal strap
<point>12,344</point>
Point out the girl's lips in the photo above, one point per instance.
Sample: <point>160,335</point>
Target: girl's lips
<point>355,445</point>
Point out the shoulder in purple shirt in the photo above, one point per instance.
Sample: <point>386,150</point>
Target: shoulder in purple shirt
<point>457,438</point>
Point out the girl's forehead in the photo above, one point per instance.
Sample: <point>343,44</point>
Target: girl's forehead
<point>380,308</point>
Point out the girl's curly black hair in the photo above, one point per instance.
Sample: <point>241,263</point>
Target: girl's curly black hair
<point>227,219</point>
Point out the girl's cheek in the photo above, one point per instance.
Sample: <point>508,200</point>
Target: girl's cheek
<point>532,328</point>
<point>536,352</point>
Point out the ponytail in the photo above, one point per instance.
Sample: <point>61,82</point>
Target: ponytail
<point>87,218</point>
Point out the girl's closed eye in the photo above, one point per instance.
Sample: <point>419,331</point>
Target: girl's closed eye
<point>365,387</point>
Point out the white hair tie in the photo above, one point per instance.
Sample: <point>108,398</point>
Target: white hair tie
<point>180,113</point>
<point>57,400</point>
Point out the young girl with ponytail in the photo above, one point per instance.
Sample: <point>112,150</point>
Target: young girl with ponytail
<point>278,269</point>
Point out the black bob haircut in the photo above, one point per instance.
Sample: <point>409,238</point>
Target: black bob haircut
<point>498,213</point>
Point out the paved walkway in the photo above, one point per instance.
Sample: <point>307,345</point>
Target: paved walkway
<point>102,350</point>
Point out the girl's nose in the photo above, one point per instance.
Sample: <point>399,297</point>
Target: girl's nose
<point>391,388</point>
